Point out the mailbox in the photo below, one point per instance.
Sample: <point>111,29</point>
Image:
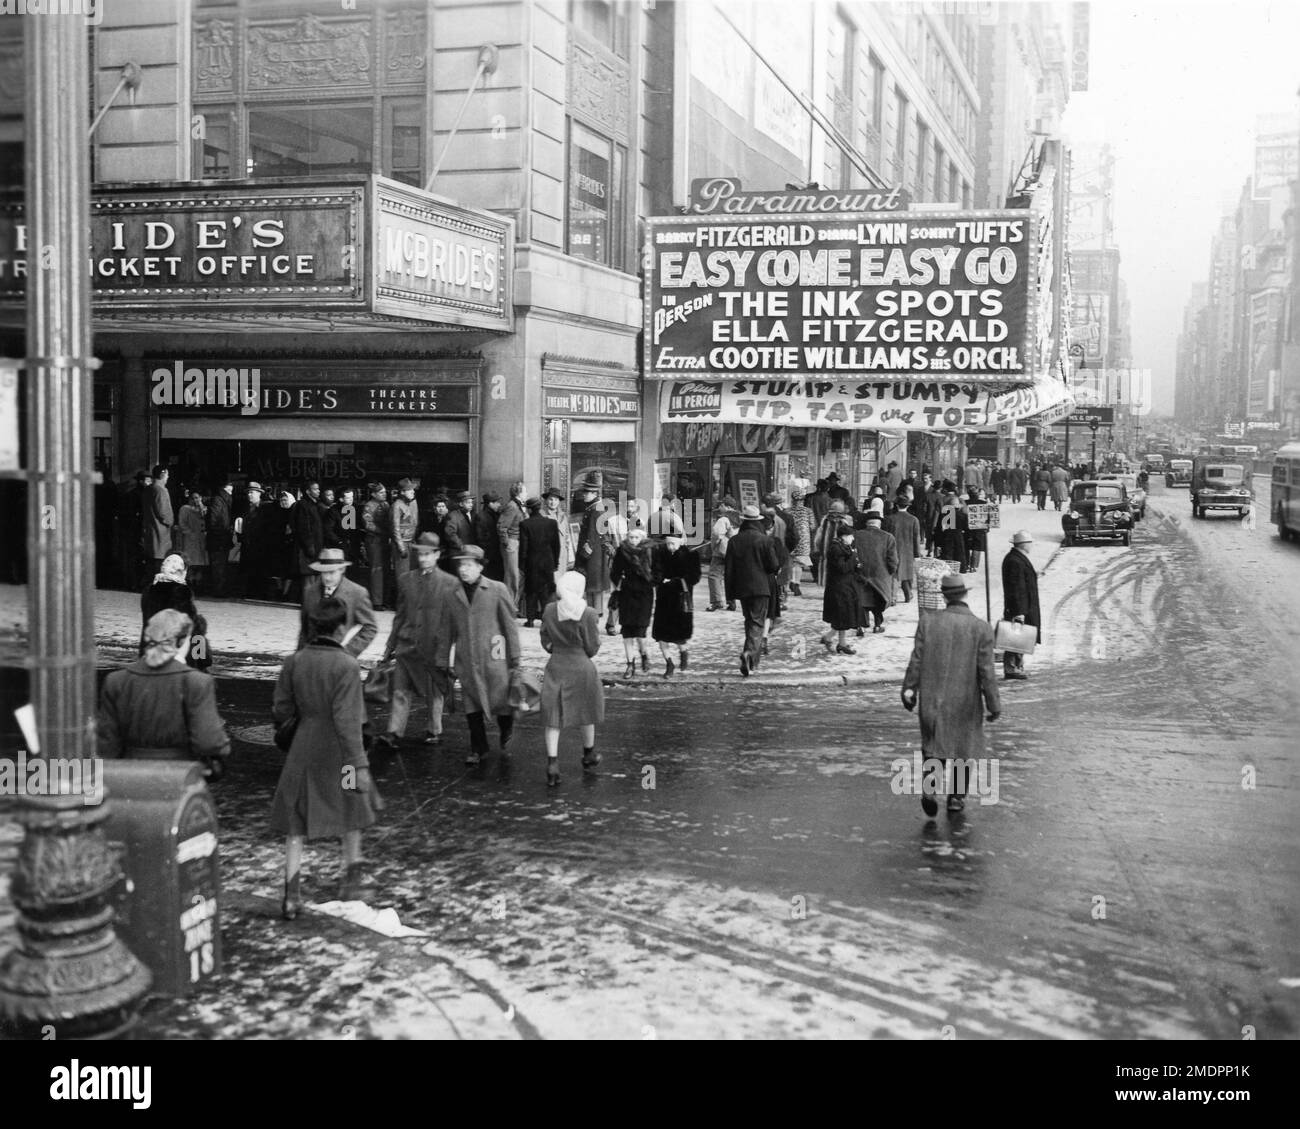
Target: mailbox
<point>168,906</point>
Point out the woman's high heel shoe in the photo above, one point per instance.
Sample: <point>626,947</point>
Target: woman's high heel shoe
<point>645,661</point>
<point>630,672</point>
<point>552,772</point>
<point>844,650</point>
<point>291,906</point>
<point>590,758</point>
<point>668,669</point>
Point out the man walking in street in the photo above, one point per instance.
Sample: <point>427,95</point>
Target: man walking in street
<point>328,581</point>
<point>906,531</point>
<point>420,642</point>
<point>751,565</point>
<point>1019,598</point>
<point>951,674</point>
<point>486,638</point>
<point>158,519</point>
<point>539,556</point>
<point>590,556</point>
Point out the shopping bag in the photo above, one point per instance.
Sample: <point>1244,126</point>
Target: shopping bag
<point>1019,638</point>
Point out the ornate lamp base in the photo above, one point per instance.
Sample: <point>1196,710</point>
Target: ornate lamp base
<point>70,977</point>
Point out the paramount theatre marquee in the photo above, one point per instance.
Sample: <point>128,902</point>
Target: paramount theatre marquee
<point>892,318</point>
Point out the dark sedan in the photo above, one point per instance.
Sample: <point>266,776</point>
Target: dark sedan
<point>1099,511</point>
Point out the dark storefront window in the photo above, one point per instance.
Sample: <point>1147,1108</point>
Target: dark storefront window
<point>611,463</point>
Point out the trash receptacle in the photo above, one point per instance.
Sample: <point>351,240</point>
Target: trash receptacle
<point>168,907</point>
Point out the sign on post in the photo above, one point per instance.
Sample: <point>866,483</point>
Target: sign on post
<point>984,516</point>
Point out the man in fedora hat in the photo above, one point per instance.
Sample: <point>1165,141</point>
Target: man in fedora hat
<point>878,558</point>
<point>1019,598</point>
<point>360,625</point>
<point>751,567</point>
<point>725,524</point>
<point>951,673</point>
<point>419,641</point>
<point>835,491</point>
<point>554,509</point>
<point>486,638</point>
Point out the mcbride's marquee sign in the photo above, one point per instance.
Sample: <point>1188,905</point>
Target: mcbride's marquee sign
<point>362,247</point>
<point>922,295</point>
<point>864,404</point>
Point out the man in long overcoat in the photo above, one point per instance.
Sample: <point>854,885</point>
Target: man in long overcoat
<point>906,531</point>
<point>1019,598</point>
<point>458,529</point>
<point>420,641</point>
<point>878,556</point>
<point>486,638</point>
<point>951,673</point>
<point>590,556</point>
<point>539,557</point>
<point>329,580</point>
<point>308,522</point>
<point>158,519</point>
<point>751,564</point>
<point>218,525</point>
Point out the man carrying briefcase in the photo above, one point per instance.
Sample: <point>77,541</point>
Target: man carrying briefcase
<point>1020,599</point>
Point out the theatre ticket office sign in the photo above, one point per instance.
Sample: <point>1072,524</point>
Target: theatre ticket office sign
<point>930,295</point>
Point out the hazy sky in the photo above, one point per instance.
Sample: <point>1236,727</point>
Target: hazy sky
<point>1175,88</point>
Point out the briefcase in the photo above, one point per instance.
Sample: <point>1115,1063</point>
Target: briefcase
<point>1019,638</point>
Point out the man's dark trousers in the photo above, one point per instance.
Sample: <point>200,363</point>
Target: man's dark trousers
<point>755,609</point>
<point>478,738</point>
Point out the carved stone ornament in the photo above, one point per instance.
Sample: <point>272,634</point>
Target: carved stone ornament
<point>404,42</point>
<point>599,89</point>
<point>214,56</point>
<point>308,52</point>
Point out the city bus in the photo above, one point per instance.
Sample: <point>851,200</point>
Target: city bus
<point>1285,503</point>
<point>1238,451</point>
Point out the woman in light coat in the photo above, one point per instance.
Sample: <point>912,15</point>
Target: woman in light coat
<point>571,689</point>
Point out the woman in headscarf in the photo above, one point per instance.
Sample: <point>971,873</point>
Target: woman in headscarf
<point>571,689</point>
<point>633,575</point>
<point>832,525</point>
<point>802,518</point>
<point>159,709</point>
<point>170,589</point>
<point>677,572</point>
<point>191,525</point>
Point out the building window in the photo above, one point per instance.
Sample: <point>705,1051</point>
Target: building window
<point>288,140</point>
<point>952,183</point>
<point>965,196</point>
<point>595,212</point>
<point>605,21</point>
<point>876,92</point>
<point>843,58</point>
<point>922,155</point>
<point>937,194</point>
<point>309,89</point>
<point>900,133</point>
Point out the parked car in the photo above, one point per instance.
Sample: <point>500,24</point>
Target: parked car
<point>1221,484</point>
<point>1099,511</point>
<point>1179,472</point>
<point>1137,495</point>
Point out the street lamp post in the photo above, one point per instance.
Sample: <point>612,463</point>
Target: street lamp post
<point>70,976</point>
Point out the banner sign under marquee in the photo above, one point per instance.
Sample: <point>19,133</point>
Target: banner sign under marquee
<point>905,406</point>
<point>885,294</point>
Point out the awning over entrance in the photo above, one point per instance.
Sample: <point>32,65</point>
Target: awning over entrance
<point>856,404</point>
<point>356,252</point>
